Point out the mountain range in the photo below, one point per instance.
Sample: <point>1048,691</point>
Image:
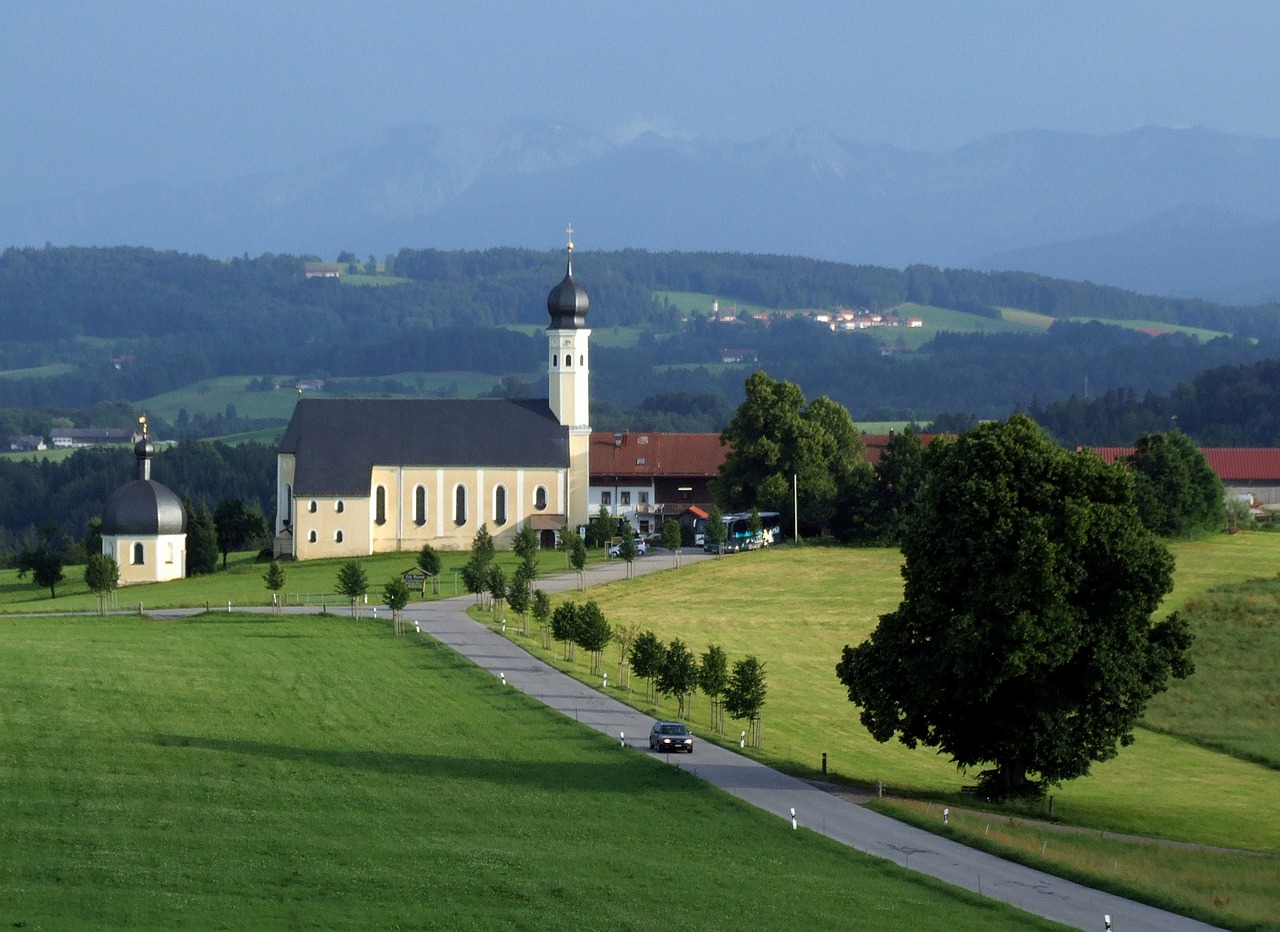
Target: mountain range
<point>1186,212</point>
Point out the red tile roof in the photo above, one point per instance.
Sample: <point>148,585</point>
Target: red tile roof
<point>1232,464</point>
<point>650,453</point>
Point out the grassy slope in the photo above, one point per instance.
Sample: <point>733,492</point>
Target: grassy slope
<point>796,610</point>
<point>241,772</point>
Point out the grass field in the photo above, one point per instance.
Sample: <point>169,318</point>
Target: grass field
<point>38,372</point>
<point>251,772</point>
<point>796,609</point>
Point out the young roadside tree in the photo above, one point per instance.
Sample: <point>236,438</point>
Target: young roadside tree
<point>353,583</point>
<point>713,680</point>
<point>578,557</point>
<point>564,627</point>
<point>429,563</point>
<point>744,697</point>
<point>624,636</point>
<point>475,572</point>
<point>593,634</point>
<point>1024,638</point>
<point>564,543</point>
<point>541,608</point>
<point>274,578</point>
<point>716,531</point>
<point>600,528</point>
<point>102,576</point>
<point>519,598</point>
<point>497,586</point>
<point>678,675</point>
<point>627,552</point>
<point>671,539</point>
<point>647,656</point>
<point>396,594</point>
<point>1176,491</point>
<point>525,545</point>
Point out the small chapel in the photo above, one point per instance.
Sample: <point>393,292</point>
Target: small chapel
<point>357,476</point>
<point>144,526</point>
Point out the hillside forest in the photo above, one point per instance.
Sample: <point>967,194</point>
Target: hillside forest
<point>90,336</point>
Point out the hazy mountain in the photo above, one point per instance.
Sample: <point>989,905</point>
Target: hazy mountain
<point>1187,212</point>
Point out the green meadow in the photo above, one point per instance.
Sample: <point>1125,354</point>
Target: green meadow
<point>252,772</point>
<point>796,608</point>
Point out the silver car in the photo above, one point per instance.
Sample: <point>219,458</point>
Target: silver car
<point>670,736</point>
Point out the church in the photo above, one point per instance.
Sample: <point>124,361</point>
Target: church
<point>361,476</point>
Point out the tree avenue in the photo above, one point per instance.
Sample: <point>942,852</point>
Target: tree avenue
<point>1024,639</point>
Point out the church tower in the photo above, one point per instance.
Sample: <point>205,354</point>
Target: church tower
<point>568,376</point>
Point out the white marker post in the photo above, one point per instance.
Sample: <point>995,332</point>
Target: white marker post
<point>793,818</point>
<point>504,678</point>
<point>742,742</point>
<point>606,681</point>
<point>946,816</point>
<point>622,740</point>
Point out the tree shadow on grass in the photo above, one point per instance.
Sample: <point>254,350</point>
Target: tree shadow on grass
<point>618,776</point>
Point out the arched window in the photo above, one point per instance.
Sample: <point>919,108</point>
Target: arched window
<point>288,501</point>
<point>380,506</point>
<point>555,360</point>
<point>312,507</point>
<point>582,360</point>
<point>568,360</point>
<point>312,537</point>
<point>339,507</point>
<point>500,505</point>
<point>420,505</point>
<point>337,536</point>
<point>139,554</point>
<point>540,498</point>
<point>460,505</point>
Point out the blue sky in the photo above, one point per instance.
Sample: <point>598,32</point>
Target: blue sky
<point>95,94</point>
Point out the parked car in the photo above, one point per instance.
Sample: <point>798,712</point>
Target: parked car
<point>670,736</point>
<point>641,548</point>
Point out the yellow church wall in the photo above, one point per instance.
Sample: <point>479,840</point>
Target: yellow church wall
<point>390,520</point>
<point>163,557</point>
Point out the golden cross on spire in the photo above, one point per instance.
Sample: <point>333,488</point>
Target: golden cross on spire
<point>142,424</point>
<point>569,230</point>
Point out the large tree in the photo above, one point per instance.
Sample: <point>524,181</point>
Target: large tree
<point>237,525</point>
<point>1175,489</point>
<point>1024,638</point>
<point>782,449</point>
<point>43,561</point>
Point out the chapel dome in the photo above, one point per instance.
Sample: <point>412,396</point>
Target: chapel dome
<point>143,506</point>
<point>567,303</point>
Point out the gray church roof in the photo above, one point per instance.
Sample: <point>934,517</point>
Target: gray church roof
<point>143,506</point>
<point>337,441</point>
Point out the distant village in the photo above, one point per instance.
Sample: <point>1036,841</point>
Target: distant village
<point>840,319</point>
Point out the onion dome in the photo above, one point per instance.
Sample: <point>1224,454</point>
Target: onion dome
<point>567,303</point>
<point>143,506</point>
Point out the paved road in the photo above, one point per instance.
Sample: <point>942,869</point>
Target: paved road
<point>778,793</point>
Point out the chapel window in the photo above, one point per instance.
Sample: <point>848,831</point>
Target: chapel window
<point>460,505</point>
<point>380,506</point>
<point>139,554</point>
<point>540,498</point>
